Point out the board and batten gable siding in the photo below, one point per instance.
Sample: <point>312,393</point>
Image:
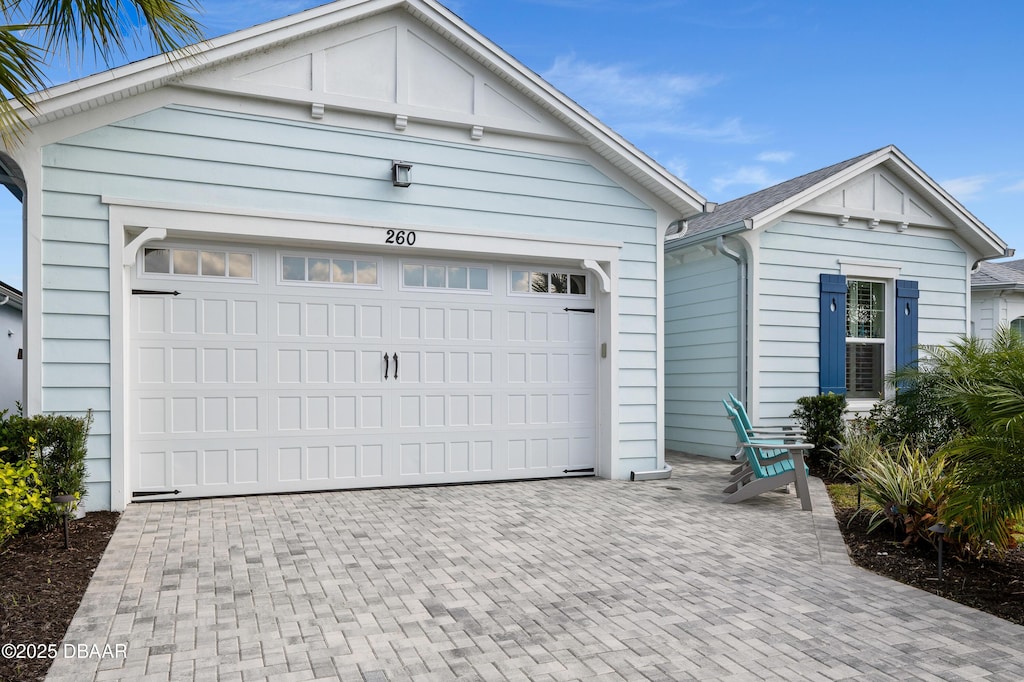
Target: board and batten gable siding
<point>701,354</point>
<point>203,157</point>
<point>794,252</point>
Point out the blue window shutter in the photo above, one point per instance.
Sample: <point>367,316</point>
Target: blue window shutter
<point>832,335</point>
<point>906,322</point>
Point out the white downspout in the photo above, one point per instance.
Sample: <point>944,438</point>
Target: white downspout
<point>744,337</point>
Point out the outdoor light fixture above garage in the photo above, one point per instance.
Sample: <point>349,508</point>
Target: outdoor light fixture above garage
<point>401,173</point>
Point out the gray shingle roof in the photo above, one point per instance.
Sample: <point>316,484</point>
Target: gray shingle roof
<point>1008,274</point>
<point>752,204</point>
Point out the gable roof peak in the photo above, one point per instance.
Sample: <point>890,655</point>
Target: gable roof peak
<point>762,207</point>
<point>110,86</point>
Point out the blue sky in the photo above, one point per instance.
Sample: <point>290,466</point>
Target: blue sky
<point>736,96</point>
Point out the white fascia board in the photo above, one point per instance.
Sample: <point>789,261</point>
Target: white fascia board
<point>955,210</point>
<point>153,72</point>
<point>600,137</point>
<point>985,240</point>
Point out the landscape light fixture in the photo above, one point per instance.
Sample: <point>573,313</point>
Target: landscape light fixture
<point>940,530</point>
<point>65,501</point>
<point>401,173</point>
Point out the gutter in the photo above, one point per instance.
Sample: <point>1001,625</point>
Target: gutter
<point>725,230</point>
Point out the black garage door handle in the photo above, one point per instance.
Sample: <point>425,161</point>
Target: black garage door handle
<point>385,366</point>
<point>396,365</point>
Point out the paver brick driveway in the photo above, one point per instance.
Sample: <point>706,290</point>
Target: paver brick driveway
<point>545,580</point>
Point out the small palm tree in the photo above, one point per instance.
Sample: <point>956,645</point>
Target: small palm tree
<point>983,383</point>
<point>33,30</point>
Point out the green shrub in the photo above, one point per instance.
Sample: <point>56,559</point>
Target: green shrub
<point>918,413</point>
<point>21,497</point>
<point>58,444</point>
<point>861,446</point>
<point>821,417</point>
<point>909,488</point>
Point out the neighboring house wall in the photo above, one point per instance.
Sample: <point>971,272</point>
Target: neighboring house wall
<point>190,155</point>
<point>993,309</point>
<point>701,352</point>
<point>10,364</point>
<point>795,251</point>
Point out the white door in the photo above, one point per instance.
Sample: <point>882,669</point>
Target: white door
<point>276,370</point>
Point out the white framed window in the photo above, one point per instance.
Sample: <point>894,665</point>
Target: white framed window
<point>328,270</point>
<point>869,336</point>
<point>1018,325</point>
<point>418,275</point>
<point>557,282</point>
<point>198,262</point>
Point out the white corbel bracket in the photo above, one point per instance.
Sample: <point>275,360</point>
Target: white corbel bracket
<point>604,282</point>
<point>131,249</point>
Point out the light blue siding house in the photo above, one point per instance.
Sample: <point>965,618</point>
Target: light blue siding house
<point>357,246</point>
<point>997,298</point>
<point>10,348</point>
<point>825,282</point>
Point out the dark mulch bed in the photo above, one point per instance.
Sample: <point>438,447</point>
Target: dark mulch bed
<point>41,585</point>
<point>995,586</point>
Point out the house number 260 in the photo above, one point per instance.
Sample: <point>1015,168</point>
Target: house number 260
<point>401,237</point>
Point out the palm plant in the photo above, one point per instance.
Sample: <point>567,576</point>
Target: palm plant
<point>982,385</point>
<point>71,27</point>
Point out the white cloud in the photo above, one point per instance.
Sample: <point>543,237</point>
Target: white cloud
<point>639,103</point>
<point>1015,187</point>
<point>613,87</point>
<point>966,187</point>
<point>774,157</point>
<point>756,177</point>
<point>678,167</point>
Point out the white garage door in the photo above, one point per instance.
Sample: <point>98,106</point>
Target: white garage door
<point>276,370</point>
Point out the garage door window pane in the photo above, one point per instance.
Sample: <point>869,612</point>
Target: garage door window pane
<point>293,269</point>
<point>186,262</point>
<point>214,264</point>
<point>520,281</point>
<point>478,279</point>
<point>578,285</point>
<point>559,283</point>
<point>240,265</point>
<point>435,276</point>
<point>344,272</point>
<point>539,282</point>
<point>412,275</point>
<point>319,270</point>
<point>157,260</point>
<point>457,278</point>
<point>366,272</point>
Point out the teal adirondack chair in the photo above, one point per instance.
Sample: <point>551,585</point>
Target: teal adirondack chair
<point>769,466</point>
<point>776,430</point>
<point>738,415</point>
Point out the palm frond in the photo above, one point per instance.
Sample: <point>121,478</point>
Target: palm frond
<point>20,76</point>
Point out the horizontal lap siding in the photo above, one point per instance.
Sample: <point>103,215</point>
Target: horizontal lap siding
<point>701,354</point>
<point>194,156</point>
<point>794,254</point>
